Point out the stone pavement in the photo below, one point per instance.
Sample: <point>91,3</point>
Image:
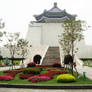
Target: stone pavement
<point>39,90</point>
<point>86,69</point>
<point>9,67</point>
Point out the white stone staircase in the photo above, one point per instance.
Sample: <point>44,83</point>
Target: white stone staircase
<point>52,55</point>
<point>42,50</point>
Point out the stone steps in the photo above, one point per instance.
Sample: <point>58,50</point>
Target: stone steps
<point>52,55</point>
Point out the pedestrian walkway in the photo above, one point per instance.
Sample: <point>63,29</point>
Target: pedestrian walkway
<point>9,68</point>
<point>41,90</point>
<point>86,69</point>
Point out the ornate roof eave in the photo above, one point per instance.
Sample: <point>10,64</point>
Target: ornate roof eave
<point>42,18</point>
<point>46,19</point>
<point>53,13</point>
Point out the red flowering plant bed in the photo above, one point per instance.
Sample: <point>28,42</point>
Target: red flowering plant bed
<point>39,78</point>
<point>9,75</point>
<point>56,64</point>
<point>25,76</point>
<point>31,64</point>
<point>6,77</point>
<point>43,65</point>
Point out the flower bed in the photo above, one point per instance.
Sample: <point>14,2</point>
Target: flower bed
<point>39,78</point>
<point>6,77</point>
<point>56,64</point>
<point>52,73</point>
<point>10,75</point>
<point>34,74</point>
<point>43,65</point>
<point>31,64</point>
<point>27,73</point>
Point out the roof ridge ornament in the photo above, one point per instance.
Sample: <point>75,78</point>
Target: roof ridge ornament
<point>55,4</point>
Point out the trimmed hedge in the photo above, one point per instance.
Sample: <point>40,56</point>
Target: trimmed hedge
<point>32,70</point>
<point>65,78</point>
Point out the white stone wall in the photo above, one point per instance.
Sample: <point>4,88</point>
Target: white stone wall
<point>44,33</point>
<point>85,51</point>
<point>34,36</point>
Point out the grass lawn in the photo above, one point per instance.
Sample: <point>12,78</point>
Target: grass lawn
<point>17,80</point>
<point>87,63</point>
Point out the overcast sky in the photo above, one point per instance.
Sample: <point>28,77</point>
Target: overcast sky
<point>18,13</point>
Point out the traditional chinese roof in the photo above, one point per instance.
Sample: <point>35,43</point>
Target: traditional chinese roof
<point>53,15</point>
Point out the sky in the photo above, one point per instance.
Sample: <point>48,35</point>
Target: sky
<point>17,14</point>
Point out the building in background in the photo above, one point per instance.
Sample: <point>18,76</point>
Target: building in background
<point>43,36</point>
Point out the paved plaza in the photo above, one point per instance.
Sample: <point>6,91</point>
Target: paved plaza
<point>86,69</point>
<point>9,68</point>
<point>39,90</point>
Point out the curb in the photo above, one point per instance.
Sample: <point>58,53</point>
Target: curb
<point>46,86</point>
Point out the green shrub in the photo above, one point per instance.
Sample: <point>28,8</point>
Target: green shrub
<point>32,71</point>
<point>17,62</point>
<point>85,63</point>
<point>26,71</point>
<point>0,62</point>
<point>65,78</point>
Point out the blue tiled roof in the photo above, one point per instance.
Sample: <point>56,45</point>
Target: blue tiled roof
<point>54,12</point>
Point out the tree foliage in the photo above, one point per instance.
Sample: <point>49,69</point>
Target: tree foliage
<point>72,34</point>
<point>22,47</point>
<point>2,25</point>
<point>12,39</point>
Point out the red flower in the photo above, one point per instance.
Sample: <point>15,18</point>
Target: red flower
<point>39,78</point>
<point>56,64</point>
<point>74,64</point>
<point>31,64</point>
<point>6,77</point>
<point>43,65</point>
<point>25,76</point>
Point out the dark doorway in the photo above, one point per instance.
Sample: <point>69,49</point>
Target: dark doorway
<point>37,59</point>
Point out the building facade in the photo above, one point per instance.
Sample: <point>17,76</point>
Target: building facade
<point>47,27</point>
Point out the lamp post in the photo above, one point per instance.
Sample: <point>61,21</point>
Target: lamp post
<point>2,24</point>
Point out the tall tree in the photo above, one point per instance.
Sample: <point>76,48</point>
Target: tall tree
<point>23,48</point>
<point>12,39</point>
<point>72,33</point>
<point>2,25</point>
